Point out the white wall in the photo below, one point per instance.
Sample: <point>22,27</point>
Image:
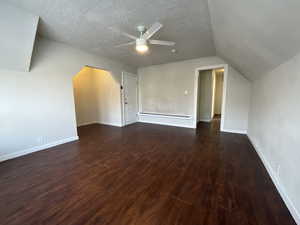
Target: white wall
<point>37,108</point>
<point>274,128</point>
<point>162,90</point>
<point>237,103</point>
<point>108,94</point>
<point>18,29</point>
<point>218,92</point>
<point>85,97</point>
<point>210,92</point>
<point>162,87</point>
<point>97,97</point>
<point>205,95</point>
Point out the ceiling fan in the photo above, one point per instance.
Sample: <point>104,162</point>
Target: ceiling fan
<point>141,42</point>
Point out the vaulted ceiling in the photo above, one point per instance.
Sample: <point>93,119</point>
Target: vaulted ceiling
<point>86,24</point>
<point>254,36</point>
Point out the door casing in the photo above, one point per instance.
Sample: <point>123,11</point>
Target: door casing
<point>124,74</point>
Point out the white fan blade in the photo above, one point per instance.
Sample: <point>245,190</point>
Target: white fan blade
<point>123,33</point>
<point>125,44</point>
<point>152,30</point>
<point>159,42</point>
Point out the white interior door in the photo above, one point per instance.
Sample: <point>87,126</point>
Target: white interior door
<point>130,103</point>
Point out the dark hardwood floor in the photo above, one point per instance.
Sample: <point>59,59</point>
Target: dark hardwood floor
<point>142,175</point>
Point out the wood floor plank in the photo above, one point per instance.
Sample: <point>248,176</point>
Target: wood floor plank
<point>142,174</point>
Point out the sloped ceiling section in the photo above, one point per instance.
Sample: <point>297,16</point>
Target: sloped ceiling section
<point>18,30</point>
<point>85,24</point>
<point>255,36</point>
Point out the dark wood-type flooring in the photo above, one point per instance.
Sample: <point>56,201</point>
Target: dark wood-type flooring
<point>142,175</point>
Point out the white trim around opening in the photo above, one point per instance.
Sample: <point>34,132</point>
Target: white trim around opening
<point>211,67</point>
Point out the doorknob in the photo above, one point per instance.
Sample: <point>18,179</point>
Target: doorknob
<point>126,103</point>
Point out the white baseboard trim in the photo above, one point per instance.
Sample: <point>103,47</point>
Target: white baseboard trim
<point>234,131</point>
<point>167,124</point>
<point>280,188</point>
<point>110,124</point>
<point>103,123</point>
<point>36,148</point>
<point>87,123</point>
<point>176,121</point>
<point>205,120</point>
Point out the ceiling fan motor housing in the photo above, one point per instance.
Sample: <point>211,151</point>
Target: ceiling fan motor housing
<point>141,28</point>
<point>141,41</point>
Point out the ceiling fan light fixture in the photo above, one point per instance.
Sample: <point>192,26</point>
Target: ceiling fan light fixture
<point>141,46</point>
<point>143,41</point>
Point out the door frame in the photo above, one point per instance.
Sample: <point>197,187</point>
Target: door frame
<point>223,108</point>
<point>124,73</point>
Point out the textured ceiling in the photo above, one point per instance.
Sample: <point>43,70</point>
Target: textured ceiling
<point>254,36</point>
<point>85,24</point>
